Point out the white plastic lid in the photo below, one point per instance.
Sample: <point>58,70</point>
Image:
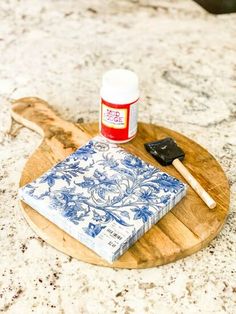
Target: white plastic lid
<point>120,86</point>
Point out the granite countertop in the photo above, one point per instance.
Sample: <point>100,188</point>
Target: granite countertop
<point>186,61</point>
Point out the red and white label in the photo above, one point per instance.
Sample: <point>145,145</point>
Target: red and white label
<point>114,117</point>
<point>118,122</point>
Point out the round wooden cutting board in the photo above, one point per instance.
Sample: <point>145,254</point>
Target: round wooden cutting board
<point>190,225</point>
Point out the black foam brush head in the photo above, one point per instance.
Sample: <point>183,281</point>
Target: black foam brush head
<point>165,151</point>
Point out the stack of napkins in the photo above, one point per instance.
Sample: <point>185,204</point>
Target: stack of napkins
<point>104,196</point>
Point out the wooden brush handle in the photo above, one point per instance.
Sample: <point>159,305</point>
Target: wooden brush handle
<point>194,183</point>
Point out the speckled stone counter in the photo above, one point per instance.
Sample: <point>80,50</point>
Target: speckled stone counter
<point>186,61</point>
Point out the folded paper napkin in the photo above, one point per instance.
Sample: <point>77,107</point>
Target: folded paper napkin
<point>104,196</point>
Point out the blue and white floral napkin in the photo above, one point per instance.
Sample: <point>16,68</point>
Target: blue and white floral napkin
<point>104,196</point>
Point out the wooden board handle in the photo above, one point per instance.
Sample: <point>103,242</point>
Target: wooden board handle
<point>194,183</point>
<point>37,115</point>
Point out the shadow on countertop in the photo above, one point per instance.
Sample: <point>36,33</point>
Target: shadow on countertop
<point>218,6</point>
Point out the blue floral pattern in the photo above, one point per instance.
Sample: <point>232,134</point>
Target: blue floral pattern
<point>99,186</point>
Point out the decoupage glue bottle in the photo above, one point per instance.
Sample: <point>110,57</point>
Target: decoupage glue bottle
<point>119,105</point>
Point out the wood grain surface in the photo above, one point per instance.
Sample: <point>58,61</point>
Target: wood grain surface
<point>190,225</point>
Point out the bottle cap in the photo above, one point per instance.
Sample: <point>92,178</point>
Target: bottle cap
<point>120,86</point>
